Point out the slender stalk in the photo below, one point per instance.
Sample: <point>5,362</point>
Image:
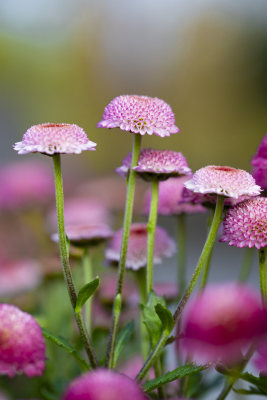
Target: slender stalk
<point>140,276</point>
<point>151,229</point>
<point>206,271</point>
<point>124,244</point>
<point>64,256</point>
<point>158,373</point>
<point>88,276</point>
<point>263,275</point>
<point>181,239</point>
<point>246,265</point>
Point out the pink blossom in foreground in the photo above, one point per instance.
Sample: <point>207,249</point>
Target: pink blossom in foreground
<point>103,384</point>
<point>245,225</point>
<point>221,322</point>
<point>225,181</point>
<point>139,114</point>
<point>260,360</point>
<point>86,234</point>
<point>164,246</point>
<point>161,164</point>
<point>53,139</point>
<point>24,184</point>
<point>22,346</point>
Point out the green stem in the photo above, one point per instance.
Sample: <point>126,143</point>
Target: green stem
<point>64,256</point>
<point>206,271</point>
<point>124,244</point>
<point>246,265</point>
<point>181,238</point>
<point>88,277</point>
<point>140,276</point>
<point>158,373</point>
<point>151,229</point>
<point>263,275</point>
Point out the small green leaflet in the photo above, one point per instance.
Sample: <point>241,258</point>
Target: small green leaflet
<point>150,318</point>
<point>123,337</point>
<point>85,293</point>
<point>166,317</point>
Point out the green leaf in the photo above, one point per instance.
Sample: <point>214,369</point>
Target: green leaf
<point>260,382</point>
<point>85,293</point>
<point>166,317</point>
<point>61,342</point>
<point>48,395</point>
<point>123,337</point>
<point>150,317</point>
<point>177,373</point>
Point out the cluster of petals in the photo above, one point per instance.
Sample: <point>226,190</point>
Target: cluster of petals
<point>86,234</point>
<point>139,114</point>
<point>164,246</point>
<point>225,181</point>
<point>245,225</point>
<point>221,322</point>
<point>103,384</point>
<point>160,163</point>
<point>50,138</point>
<point>170,200</point>
<point>24,184</point>
<point>22,346</point>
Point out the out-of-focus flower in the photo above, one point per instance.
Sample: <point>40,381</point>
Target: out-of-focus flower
<point>245,225</point>
<point>221,322</point>
<point>24,184</point>
<point>225,181</point>
<point>260,360</point>
<point>107,288</point>
<point>53,139</point>
<point>86,235</point>
<point>259,164</point>
<point>166,289</point>
<point>139,114</point>
<point>22,346</point>
<point>159,164</point>
<point>132,366</point>
<point>137,246</point>
<point>103,384</point>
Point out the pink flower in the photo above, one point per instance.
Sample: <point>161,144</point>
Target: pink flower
<point>24,184</point>
<point>245,225</point>
<point>86,234</point>
<point>137,246</point>
<point>54,138</point>
<point>262,149</point>
<point>139,114</point>
<point>221,322</point>
<point>225,181</point>
<point>260,360</point>
<point>132,366</point>
<point>161,164</point>
<point>259,171</point>
<point>103,384</point>
<point>22,346</point>
<point>169,290</point>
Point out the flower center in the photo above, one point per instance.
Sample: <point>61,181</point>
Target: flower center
<point>53,125</point>
<point>224,169</point>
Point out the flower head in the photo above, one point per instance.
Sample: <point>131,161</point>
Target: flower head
<point>139,114</point>
<point>161,164</point>
<point>54,138</point>
<point>137,246</point>
<point>219,323</point>
<point>245,225</point>
<point>22,347</point>
<point>103,384</point>
<point>86,234</point>
<point>225,181</point>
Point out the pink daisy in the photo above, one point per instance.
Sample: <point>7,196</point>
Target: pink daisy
<point>22,346</point>
<point>259,171</point>
<point>139,114</point>
<point>245,225</point>
<point>225,181</point>
<point>53,139</point>
<point>86,234</point>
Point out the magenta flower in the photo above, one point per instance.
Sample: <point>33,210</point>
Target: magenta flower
<point>161,164</point>
<point>262,149</point>
<point>103,384</point>
<point>245,225</point>
<point>53,139</point>
<point>137,246</point>
<point>225,181</point>
<point>139,114</point>
<point>259,171</point>
<point>86,234</point>
<point>221,322</point>
<point>260,360</point>
<point>22,346</point>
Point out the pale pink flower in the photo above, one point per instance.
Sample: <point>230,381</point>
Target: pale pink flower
<point>245,225</point>
<point>139,114</point>
<point>22,346</point>
<point>86,234</point>
<point>225,181</point>
<point>53,139</point>
<point>164,246</point>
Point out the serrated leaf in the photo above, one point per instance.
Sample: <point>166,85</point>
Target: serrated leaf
<point>123,337</point>
<point>247,392</point>
<point>61,342</point>
<point>166,317</point>
<point>177,373</point>
<point>85,293</point>
<point>150,317</point>
<point>260,382</point>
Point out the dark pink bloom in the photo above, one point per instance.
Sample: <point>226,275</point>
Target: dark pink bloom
<point>260,360</point>
<point>86,234</point>
<point>103,384</point>
<point>259,171</point>
<point>54,138</point>
<point>225,181</point>
<point>160,163</point>
<point>137,246</point>
<point>262,149</point>
<point>139,114</point>
<point>245,225</point>
<point>22,346</point>
<point>221,322</point>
